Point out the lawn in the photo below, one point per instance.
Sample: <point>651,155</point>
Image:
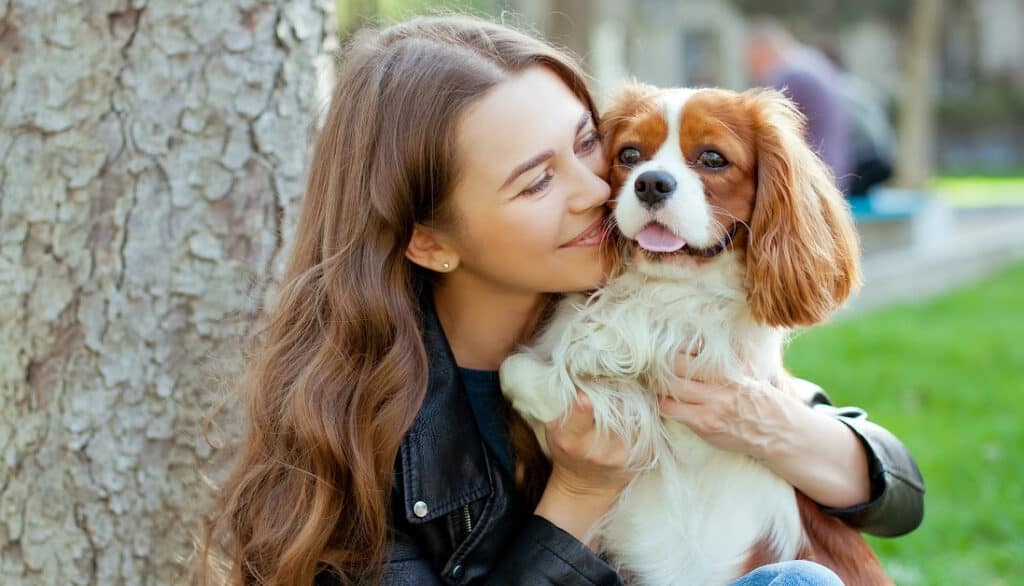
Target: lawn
<point>980,190</point>
<point>947,376</point>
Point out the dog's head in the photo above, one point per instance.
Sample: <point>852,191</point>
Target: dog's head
<point>704,177</point>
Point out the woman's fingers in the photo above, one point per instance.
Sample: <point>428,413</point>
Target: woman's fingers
<point>686,356</point>
<point>693,391</point>
<point>681,364</point>
<point>673,408</point>
<point>576,438</point>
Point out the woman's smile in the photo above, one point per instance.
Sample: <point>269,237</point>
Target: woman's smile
<point>592,235</point>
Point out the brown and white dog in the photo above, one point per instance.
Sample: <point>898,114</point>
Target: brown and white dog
<point>735,233</point>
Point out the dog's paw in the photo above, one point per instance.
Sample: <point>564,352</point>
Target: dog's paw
<point>525,382</point>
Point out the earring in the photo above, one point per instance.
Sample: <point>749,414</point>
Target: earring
<point>446,266</point>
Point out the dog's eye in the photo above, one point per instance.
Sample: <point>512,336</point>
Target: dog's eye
<point>629,156</point>
<point>712,160</point>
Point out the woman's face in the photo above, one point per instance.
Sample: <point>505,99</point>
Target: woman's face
<point>529,200</point>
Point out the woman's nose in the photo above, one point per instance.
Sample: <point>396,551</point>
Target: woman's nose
<point>592,191</point>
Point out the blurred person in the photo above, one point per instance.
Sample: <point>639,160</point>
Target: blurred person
<point>775,59</point>
<point>458,187</point>
<point>872,138</point>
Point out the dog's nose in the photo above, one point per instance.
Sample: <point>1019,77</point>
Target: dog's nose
<point>654,187</point>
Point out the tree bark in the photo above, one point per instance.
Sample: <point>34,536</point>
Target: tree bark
<point>917,111</point>
<point>151,157</point>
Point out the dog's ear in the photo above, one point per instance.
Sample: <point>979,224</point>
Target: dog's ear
<point>803,254</point>
<point>623,104</point>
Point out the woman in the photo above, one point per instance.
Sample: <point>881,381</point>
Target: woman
<point>453,192</point>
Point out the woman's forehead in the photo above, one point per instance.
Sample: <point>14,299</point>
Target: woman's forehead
<point>520,117</point>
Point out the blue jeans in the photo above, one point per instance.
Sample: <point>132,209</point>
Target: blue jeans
<point>795,573</point>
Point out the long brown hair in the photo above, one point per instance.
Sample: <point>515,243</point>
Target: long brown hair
<point>339,371</point>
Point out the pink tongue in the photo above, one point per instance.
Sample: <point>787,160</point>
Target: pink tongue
<point>656,238</point>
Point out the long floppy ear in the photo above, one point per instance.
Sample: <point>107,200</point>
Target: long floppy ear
<point>803,258</point>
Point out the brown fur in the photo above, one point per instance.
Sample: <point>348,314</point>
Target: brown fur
<point>831,543</point>
<point>803,255</point>
<point>761,554</point>
<point>838,546</point>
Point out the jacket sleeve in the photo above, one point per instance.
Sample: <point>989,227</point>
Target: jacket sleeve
<point>896,505</point>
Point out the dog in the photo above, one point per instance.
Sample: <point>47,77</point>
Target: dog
<point>732,233</point>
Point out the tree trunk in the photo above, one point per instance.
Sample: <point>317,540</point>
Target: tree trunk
<point>151,157</point>
<point>917,111</point>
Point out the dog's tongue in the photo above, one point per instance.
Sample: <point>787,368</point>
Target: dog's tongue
<point>657,238</point>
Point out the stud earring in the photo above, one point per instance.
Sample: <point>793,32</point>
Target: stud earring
<point>446,266</point>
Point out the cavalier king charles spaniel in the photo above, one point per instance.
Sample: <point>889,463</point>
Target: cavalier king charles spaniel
<point>731,233</point>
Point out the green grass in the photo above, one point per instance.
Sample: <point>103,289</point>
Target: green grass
<point>980,190</point>
<point>947,377</point>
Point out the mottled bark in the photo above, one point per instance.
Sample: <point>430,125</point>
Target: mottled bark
<point>151,157</point>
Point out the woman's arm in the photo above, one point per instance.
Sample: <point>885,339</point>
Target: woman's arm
<point>853,468</point>
<point>812,451</point>
<point>896,505</point>
<point>587,472</point>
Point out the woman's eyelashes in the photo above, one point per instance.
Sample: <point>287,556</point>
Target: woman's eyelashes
<point>539,185</point>
<point>591,142</point>
<point>585,148</point>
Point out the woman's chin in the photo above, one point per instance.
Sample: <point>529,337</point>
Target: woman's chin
<point>586,280</point>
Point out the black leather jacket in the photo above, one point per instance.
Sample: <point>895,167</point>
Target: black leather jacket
<point>457,518</point>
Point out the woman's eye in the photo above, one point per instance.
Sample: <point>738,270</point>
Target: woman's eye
<point>538,186</point>
<point>592,141</point>
<point>629,156</point>
<point>712,160</point>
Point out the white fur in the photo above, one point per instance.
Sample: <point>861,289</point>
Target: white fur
<point>693,513</point>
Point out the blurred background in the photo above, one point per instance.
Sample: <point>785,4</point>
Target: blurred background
<point>152,158</point>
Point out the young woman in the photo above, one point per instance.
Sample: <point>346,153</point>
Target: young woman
<point>456,188</point>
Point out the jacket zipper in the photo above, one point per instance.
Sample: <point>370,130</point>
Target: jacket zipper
<point>467,520</point>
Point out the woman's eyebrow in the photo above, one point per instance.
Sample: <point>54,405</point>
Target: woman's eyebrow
<point>526,166</point>
<point>541,157</point>
<point>583,121</point>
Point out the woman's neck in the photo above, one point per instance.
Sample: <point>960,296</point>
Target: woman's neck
<point>484,325</point>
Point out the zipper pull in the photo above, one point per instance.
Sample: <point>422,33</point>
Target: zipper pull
<point>467,520</point>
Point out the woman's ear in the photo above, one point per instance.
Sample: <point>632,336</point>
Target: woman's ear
<point>804,251</point>
<point>430,250</point>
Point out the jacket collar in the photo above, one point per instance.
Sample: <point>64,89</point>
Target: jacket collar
<point>442,459</point>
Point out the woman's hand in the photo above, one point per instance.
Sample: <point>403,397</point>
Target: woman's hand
<point>750,417</point>
<point>812,451</point>
<point>587,472</point>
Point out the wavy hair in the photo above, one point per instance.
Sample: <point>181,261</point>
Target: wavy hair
<point>338,372</point>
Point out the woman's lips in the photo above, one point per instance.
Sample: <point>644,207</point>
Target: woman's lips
<point>590,236</point>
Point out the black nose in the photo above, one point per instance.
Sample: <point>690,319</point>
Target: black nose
<point>654,187</point>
